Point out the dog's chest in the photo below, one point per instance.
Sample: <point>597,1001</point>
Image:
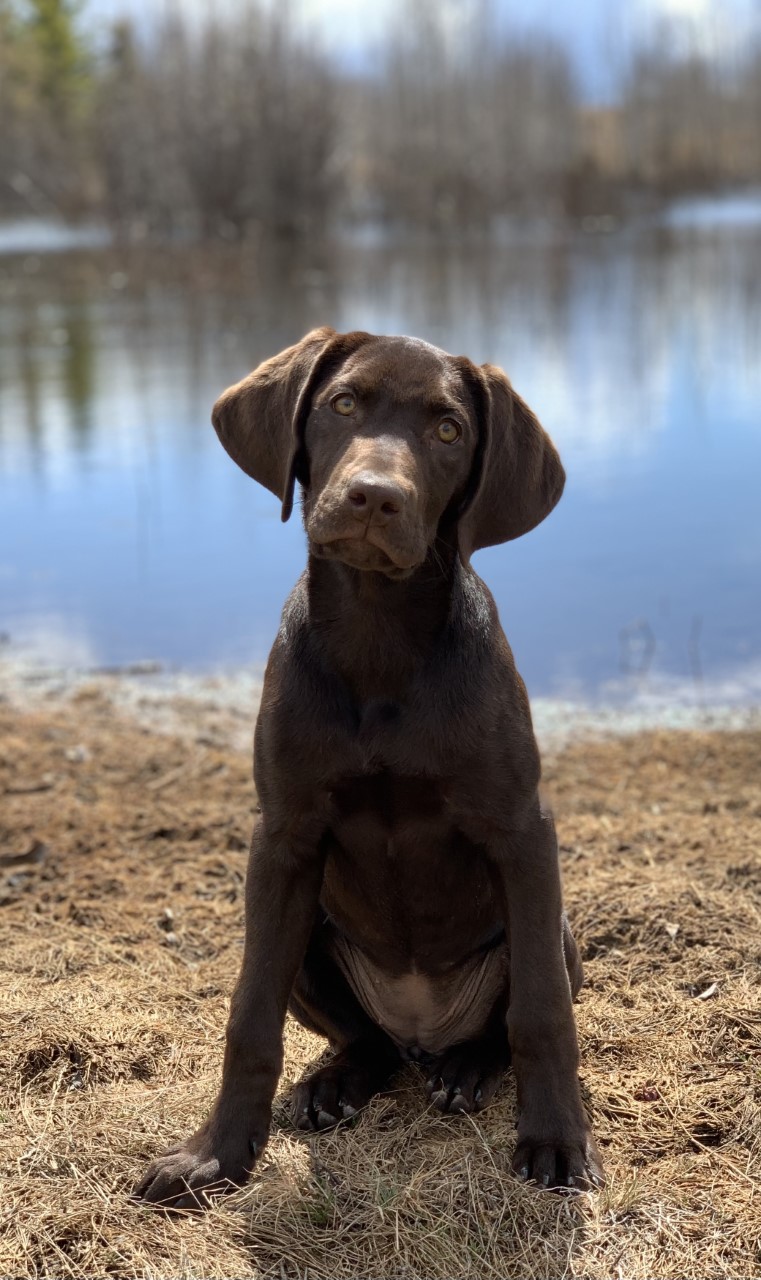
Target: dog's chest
<point>388,800</point>
<point>392,832</point>
<point>405,884</point>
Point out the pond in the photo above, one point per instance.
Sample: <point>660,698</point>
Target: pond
<point>126,532</point>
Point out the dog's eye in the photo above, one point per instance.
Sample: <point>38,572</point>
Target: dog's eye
<point>448,431</point>
<point>344,404</point>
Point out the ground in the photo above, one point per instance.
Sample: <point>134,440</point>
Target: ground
<point>122,855</point>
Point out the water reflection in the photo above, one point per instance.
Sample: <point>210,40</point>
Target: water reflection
<point>120,514</point>
<point>76,337</point>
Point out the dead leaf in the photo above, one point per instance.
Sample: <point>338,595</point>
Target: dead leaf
<point>709,991</point>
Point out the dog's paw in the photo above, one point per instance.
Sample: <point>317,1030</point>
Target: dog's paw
<point>573,1163</point>
<point>466,1077</point>
<point>341,1088</point>
<point>188,1176</point>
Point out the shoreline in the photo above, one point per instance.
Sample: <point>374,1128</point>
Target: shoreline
<point>219,707</point>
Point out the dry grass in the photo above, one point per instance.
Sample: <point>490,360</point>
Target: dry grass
<point>120,939</point>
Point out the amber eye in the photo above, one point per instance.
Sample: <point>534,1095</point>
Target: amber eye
<point>448,431</point>
<point>344,404</point>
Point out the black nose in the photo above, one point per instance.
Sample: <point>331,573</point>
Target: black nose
<point>374,499</point>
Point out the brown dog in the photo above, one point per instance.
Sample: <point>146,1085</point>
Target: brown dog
<point>403,894</point>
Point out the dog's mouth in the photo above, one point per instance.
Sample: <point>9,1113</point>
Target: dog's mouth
<point>360,553</point>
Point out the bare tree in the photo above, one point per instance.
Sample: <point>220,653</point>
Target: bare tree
<point>242,125</point>
<point>217,132</point>
<point>463,120</point>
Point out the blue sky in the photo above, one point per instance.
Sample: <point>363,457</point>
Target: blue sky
<point>597,32</point>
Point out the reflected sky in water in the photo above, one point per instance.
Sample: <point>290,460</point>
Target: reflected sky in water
<point>126,532</point>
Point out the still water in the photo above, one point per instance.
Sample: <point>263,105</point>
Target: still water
<point>127,533</point>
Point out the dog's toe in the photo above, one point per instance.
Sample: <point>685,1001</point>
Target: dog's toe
<point>567,1163</point>
<point>318,1103</point>
<point>336,1092</point>
<point>466,1077</point>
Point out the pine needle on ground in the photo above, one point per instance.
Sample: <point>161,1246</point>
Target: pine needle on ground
<point>122,856</point>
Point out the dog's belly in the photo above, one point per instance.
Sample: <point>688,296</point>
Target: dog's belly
<point>421,1011</point>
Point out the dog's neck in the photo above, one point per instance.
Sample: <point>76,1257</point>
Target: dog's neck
<point>377,632</point>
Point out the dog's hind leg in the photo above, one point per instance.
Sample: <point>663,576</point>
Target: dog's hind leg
<point>366,1057</point>
<point>466,1077</point>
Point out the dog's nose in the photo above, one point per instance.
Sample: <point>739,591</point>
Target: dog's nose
<point>374,498</point>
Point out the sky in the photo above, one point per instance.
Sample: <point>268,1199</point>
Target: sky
<point>597,32</point>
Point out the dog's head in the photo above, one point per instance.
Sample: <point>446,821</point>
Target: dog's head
<point>393,441</point>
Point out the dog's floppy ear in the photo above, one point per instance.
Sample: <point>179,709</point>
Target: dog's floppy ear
<point>260,420</point>
<point>520,475</point>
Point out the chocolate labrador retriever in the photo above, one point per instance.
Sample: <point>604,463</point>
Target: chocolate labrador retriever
<point>403,894</point>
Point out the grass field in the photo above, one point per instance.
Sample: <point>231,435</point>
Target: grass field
<point>122,855</point>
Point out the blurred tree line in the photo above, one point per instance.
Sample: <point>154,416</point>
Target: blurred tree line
<point>244,124</point>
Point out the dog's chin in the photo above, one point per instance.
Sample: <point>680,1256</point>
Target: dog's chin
<point>358,553</point>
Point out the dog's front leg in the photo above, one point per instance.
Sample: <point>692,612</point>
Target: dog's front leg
<point>555,1145</point>
<point>282,890</point>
